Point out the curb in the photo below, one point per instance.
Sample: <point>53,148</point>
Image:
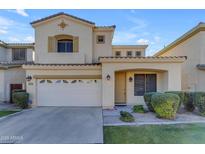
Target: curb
<point>13,114</point>
<point>153,123</point>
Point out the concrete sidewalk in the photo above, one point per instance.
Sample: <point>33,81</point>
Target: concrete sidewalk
<point>8,106</point>
<point>111,118</point>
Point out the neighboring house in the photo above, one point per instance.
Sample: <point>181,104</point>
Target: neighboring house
<point>192,45</point>
<point>12,75</point>
<point>77,65</point>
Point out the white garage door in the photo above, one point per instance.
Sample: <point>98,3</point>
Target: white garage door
<point>69,92</point>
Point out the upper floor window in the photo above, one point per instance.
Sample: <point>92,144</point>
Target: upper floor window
<point>138,53</point>
<point>129,53</point>
<point>117,53</point>
<point>65,45</point>
<point>100,39</point>
<point>18,54</point>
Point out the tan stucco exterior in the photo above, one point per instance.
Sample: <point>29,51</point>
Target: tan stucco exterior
<point>10,76</point>
<point>11,72</point>
<point>193,47</point>
<point>51,28</point>
<point>167,77</point>
<point>123,49</point>
<point>90,60</point>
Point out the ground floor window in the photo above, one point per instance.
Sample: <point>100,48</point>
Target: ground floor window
<point>144,83</point>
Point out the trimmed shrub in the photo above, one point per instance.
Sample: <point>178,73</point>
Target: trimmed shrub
<point>147,99</point>
<point>165,105</point>
<point>20,99</point>
<point>181,96</point>
<point>199,102</point>
<point>138,109</point>
<point>189,101</point>
<point>126,116</point>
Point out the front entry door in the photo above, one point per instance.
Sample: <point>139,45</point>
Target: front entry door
<point>120,88</point>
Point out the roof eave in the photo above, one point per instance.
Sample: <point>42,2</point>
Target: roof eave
<point>179,59</point>
<point>130,46</point>
<point>43,20</point>
<point>184,37</point>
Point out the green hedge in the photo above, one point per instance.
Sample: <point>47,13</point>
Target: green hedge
<point>20,99</point>
<point>181,96</point>
<point>189,101</point>
<point>165,105</point>
<point>126,116</point>
<point>148,98</point>
<point>199,102</point>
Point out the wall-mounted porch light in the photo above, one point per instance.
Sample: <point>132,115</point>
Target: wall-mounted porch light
<point>130,79</point>
<point>28,78</point>
<point>108,77</point>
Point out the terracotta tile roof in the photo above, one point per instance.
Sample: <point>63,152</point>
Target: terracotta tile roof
<point>40,64</point>
<point>15,63</point>
<point>7,65</point>
<point>4,44</point>
<point>20,44</point>
<point>129,46</point>
<point>142,59</point>
<point>61,13</point>
<point>149,57</point>
<point>106,27</point>
<point>184,37</point>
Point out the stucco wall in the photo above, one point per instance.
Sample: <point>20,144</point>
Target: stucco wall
<point>124,51</point>
<point>194,49</point>
<point>2,86</point>
<point>105,49</point>
<point>13,76</point>
<point>171,80</point>
<point>2,54</point>
<point>74,28</point>
<point>10,76</point>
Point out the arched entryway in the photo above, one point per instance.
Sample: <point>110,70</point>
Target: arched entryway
<point>130,85</point>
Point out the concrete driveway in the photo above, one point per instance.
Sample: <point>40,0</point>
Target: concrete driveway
<point>53,125</point>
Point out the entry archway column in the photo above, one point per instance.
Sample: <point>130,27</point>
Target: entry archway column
<point>108,87</point>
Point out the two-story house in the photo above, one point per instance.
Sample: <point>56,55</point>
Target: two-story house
<point>192,45</point>
<point>12,76</point>
<point>77,65</point>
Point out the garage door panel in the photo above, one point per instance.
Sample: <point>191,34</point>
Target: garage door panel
<point>69,93</point>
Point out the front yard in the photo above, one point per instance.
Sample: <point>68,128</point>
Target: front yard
<point>155,134</point>
<point>5,113</point>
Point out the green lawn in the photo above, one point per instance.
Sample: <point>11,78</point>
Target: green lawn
<point>4,113</point>
<point>159,134</point>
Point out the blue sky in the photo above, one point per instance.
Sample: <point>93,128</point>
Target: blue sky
<point>157,28</point>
